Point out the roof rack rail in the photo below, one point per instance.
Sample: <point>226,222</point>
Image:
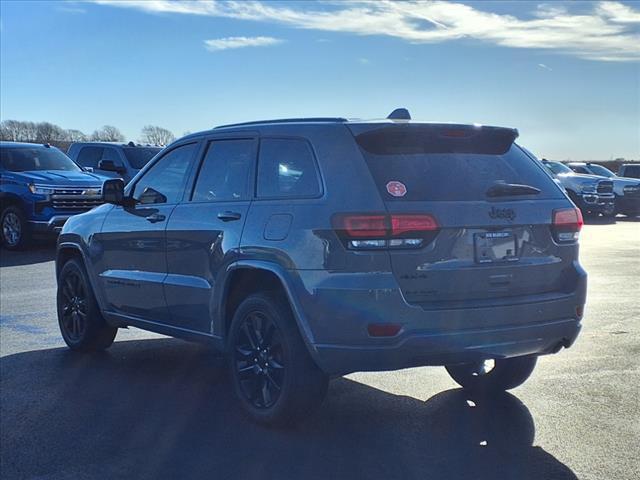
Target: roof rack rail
<point>288,120</point>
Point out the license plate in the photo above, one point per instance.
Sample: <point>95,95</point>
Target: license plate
<point>495,247</point>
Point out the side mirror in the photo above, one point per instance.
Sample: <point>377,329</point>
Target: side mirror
<point>113,191</point>
<point>110,166</point>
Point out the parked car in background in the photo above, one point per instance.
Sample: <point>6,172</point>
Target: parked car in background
<point>626,190</point>
<point>629,170</point>
<point>112,159</point>
<point>593,195</point>
<point>40,188</point>
<point>311,248</point>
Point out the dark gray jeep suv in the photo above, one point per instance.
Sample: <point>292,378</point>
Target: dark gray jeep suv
<point>311,248</point>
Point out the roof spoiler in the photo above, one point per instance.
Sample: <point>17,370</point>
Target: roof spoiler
<point>399,114</point>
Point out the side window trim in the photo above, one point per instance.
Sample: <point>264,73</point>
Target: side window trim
<point>131,187</point>
<point>206,141</point>
<point>316,166</point>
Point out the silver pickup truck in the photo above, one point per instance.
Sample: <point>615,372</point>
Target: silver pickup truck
<point>626,190</point>
<point>591,194</point>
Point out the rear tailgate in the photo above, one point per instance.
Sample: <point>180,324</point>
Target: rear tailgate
<point>490,249</point>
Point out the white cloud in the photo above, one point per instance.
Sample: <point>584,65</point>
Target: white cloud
<point>608,32</point>
<point>364,61</point>
<point>545,67</point>
<point>71,9</point>
<point>239,42</point>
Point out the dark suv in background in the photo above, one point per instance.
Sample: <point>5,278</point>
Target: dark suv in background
<point>311,248</point>
<point>112,159</point>
<point>629,170</point>
<point>40,188</point>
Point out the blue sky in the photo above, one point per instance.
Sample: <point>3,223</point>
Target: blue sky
<point>567,75</point>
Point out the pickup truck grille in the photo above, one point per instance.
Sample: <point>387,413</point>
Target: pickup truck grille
<point>76,198</point>
<point>605,186</point>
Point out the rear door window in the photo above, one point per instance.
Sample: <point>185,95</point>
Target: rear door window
<point>410,167</point>
<point>224,174</point>
<point>287,169</point>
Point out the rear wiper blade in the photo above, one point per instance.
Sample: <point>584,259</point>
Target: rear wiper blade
<point>501,189</point>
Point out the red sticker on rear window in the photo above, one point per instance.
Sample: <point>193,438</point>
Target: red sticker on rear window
<point>397,189</point>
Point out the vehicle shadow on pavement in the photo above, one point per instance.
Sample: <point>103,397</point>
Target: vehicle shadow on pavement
<point>164,409</point>
<point>39,253</point>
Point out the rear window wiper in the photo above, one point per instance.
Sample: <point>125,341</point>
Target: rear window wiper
<point>500,189</point>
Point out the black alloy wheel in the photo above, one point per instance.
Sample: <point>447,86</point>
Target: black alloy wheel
<point>74,307</point>
<point>259,360</point>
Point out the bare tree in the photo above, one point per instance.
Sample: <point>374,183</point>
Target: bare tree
<point>75,136</point>
<point>48,132</point>
<point>10,130</point>
<point>29,132</point>
<point>18,131</point>
<point>107,134</point>
<point>156,135</point>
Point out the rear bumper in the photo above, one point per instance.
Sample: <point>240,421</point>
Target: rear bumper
<point>335,311</point>
<point>451,347</point>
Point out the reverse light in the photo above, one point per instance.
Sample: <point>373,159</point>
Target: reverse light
<point>567,224</point>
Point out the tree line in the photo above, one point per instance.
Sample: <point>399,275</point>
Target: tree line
<point>46,132</point>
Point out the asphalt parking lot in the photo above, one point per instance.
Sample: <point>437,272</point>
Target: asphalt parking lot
<point>153,407</point>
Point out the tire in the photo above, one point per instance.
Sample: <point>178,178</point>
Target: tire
<point>14,228</point>
<point>273,375</point>
<point>506,374</point>
<point>82,325</point>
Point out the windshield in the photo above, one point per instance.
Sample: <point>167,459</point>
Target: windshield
<point>602,171</point>
<point>23,159</point>
<point>557,167</point>
<point>139,156</point>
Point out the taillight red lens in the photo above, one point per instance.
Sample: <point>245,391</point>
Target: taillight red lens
<point>567,224</point>
<point>364,226</point>
<point>568,218</point>
<point>401,224</point>
<point>376,231</point>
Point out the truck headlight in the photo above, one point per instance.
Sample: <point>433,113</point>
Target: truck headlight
<point>40,190</point>
<point>589,188</point>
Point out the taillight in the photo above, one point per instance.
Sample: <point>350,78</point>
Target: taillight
<point>567,224</point>
<point>365,226</point>
<point>377,231</point>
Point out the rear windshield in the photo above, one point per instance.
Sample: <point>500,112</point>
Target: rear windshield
<point>24,159</point>
<point>408,174</point>
<point>139,156</point>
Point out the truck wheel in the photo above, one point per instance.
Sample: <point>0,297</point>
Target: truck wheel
<point>273,375</point>
<point>82,325</point>
<point>15,229</point>
<point>493,376</point>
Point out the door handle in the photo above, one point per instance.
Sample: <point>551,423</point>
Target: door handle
<point>229,216</point>
<point>155,217</point>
